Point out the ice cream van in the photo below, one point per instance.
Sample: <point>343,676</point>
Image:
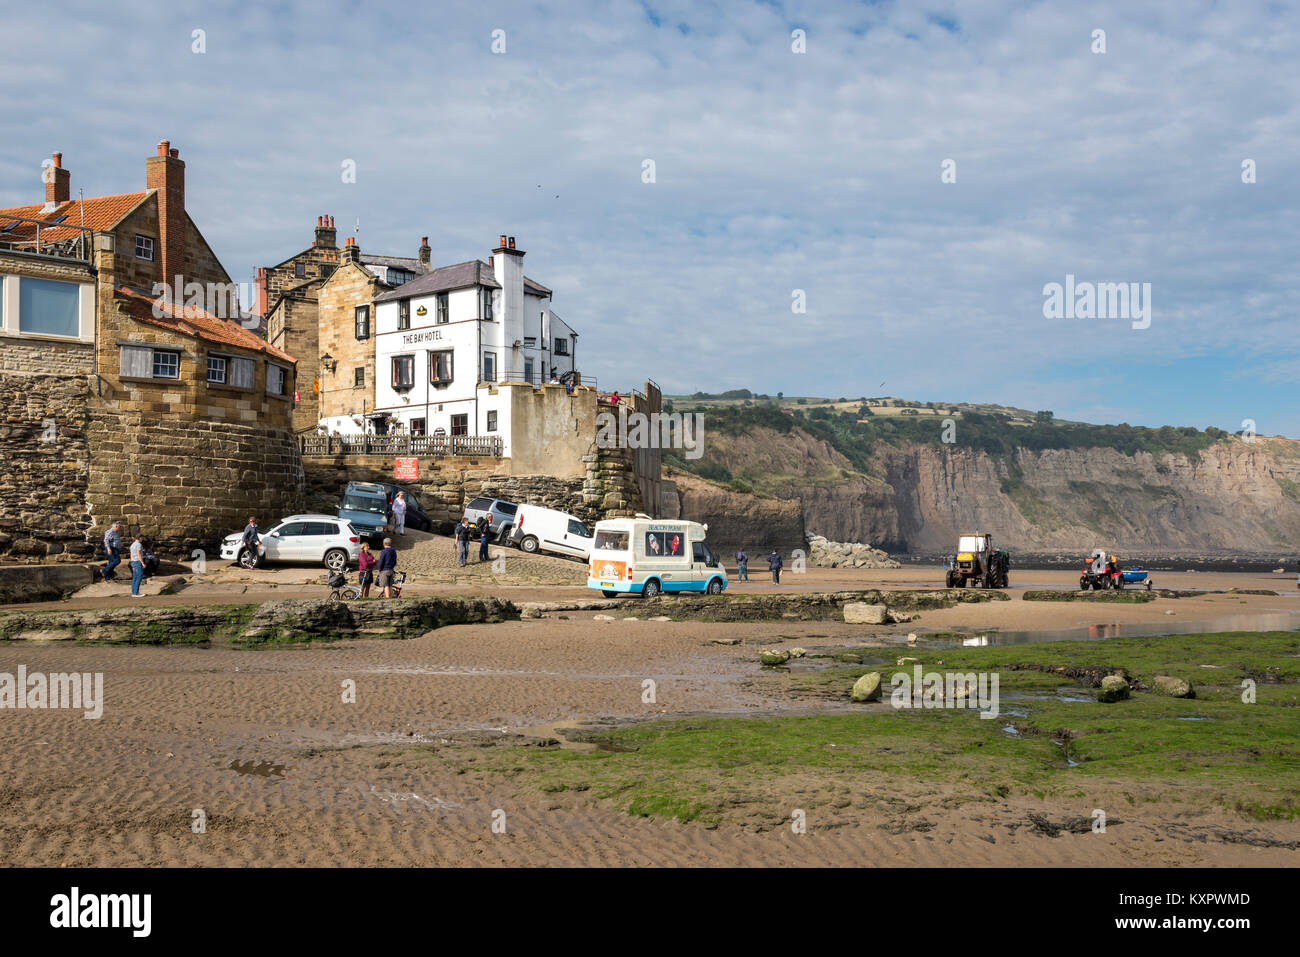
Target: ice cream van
<point>646,556</point>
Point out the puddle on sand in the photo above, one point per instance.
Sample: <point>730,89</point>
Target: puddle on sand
<point>262,769</point>
<point>557,729</point>
<point>1282,621</point>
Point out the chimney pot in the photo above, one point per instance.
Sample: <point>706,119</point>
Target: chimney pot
<point>174,154</point>
<point>58,160</point>
<point>512,242</point>
<point>424,240</point>
<point>502,243</point>
<point>163,147</point>
<point>331,222</point>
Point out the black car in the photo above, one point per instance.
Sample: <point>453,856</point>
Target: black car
<point>416,517</point>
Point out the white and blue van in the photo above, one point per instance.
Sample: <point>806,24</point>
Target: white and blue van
<point>646,556</point>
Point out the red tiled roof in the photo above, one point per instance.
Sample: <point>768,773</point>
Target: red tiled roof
<point>196,322</point>
<point>102,212</point>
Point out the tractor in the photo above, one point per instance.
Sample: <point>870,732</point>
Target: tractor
<point>977,563</point>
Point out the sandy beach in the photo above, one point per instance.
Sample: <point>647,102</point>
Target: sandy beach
<point>261,745</point>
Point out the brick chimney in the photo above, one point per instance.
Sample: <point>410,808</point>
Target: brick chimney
<point>351,251</point>
<point>326,235</point>
<point>426,254</point>
<point>261,290</point>
<point>166,173</point>
<point>58,187</point>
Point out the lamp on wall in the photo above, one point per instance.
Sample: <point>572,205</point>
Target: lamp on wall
<point>328,362</point>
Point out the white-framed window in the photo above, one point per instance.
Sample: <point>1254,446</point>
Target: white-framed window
<point>404,314</point>
<point>417,426</point>
<point>487,304</point>
<point>363,322</point>
<point>217,369</point>
<point>489,367</point>
<point>440,367</point>
<point>166,364</point>
<point>460,423</point>
<point>492,420</point>
<point>443,312</point>
<point>403,372</point>
<point>144,247</point>
<point>275,379</point>
<point>49,308</point>
<point>398,277</point>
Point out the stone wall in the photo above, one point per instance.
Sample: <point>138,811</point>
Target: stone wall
<point>188,483</point>
<point>351,285</point>
<point>44,452</point>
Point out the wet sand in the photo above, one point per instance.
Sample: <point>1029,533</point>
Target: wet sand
<point>288,774</point>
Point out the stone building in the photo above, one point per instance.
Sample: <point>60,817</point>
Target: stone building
<point>123,321</point>
<point>289,297</point>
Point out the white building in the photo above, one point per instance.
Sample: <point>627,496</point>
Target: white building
<point>438,335</point>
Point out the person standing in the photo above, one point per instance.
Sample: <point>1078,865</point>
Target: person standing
<point>774,563</point>
<point>137,566</point>
<point>484,536</point>
<point>462,540</point>
<point>113,549</point>
<point>742,565</point>
<point>366,569</point>
<point>387,566</point>
<point>399,512</point>
<point>253,541</point>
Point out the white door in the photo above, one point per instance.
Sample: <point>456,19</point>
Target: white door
<point>286,543</point>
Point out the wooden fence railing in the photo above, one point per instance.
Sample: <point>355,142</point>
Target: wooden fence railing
<point>434,445</point>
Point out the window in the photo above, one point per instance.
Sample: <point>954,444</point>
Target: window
<point>443,315</point>
<point>404,314</point>
<point>530,342</point>
<point>528,369</point>
<point>359,377</point>
<point>363,322</point>
<point>144,247</point>
<point>398,277</point>
<point>489,367</point>
<point>275,379</point>
<point>577,528</point>
<point>403,372</point>
<point>291,530</point>
<point>492,420</point>
<point>613,541</point>
<point>320,528</point>
<point>487,304</point>
<point>460,424</point>
<point>299,270</point>
<point>417,428</point>
<point>561,347</point>
<point>479,504</point>
<point>217,369</point>
<point>49,308</point>
<point>241,373</point>
<point>166,365</point>
<point>326,270</point>
<point>440,367</point>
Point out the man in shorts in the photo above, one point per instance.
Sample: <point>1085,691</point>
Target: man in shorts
<point>385,568</point>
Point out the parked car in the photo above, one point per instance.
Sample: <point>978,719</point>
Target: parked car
<point>365,506</point>
<point>502,512</point>
<point>416,517</point>
<point>301,539</point>
<point>540,529</point>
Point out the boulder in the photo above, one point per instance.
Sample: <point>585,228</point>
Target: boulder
<point>866,688</point>
<point>1174,687</point>
<point>773,656</point>
<point>860,613</point>
<point>1113,688</point>
<point>798,652</point>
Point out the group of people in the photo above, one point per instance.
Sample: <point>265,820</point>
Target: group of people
<point>774,564</point>
<point>377,569</point>
<point>480,532</point>
<point>143,561</point>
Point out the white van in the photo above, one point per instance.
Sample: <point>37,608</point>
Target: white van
<point>646,556</point>
<point>546,530</point>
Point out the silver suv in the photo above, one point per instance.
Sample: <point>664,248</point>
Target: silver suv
<point>502,512</point>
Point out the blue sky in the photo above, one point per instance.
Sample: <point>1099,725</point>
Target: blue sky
<point>775,171</point>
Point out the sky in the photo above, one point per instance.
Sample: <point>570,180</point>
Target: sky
<point>778,176</point>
